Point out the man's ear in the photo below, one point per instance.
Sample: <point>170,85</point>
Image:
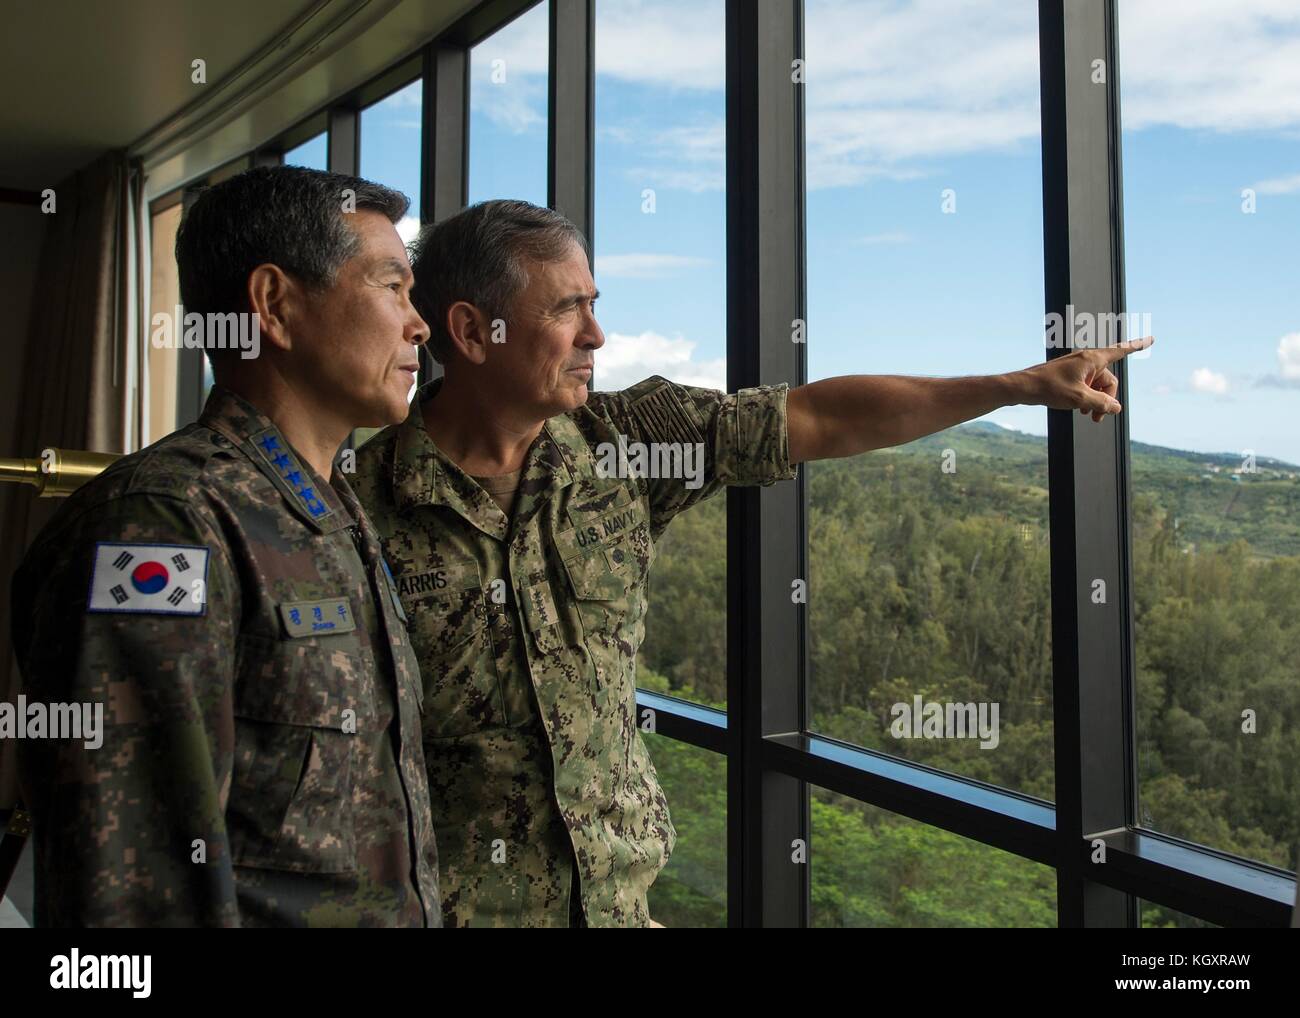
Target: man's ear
<point>470,331</point>
<point>277,300</point>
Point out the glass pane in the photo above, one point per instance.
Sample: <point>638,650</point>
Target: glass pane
<point>661,267</point>
<point>391,130</point>
<point>230,169</point>
<point>311,154</point>
<point>164,299</point>
<point>1212,211</point>
<point>390,149</point>
<point>692,889</point>
<point>1161,917</point>
<point>874,868</point>
<point>507,111</point>
<point>928,563</point>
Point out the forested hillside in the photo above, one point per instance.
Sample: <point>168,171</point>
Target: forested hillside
<point>936,583</point>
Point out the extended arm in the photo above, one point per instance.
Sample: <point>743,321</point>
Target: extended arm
<point>852,414</point>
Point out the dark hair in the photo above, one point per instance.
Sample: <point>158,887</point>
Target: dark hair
<point>477,256</point>
<point>288,216</point>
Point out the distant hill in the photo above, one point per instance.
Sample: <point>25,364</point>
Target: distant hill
<point>1208,496</point>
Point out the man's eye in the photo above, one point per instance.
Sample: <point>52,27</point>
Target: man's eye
<point>395,287</point>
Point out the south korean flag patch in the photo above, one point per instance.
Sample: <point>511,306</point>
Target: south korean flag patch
<point>155,579</point>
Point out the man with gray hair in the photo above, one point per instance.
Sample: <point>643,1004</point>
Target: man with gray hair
<point>224,595</point>
<point>521,547</point>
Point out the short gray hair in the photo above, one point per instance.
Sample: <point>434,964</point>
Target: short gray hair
<point>477,256</point>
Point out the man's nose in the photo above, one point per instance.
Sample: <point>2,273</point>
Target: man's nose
<point>417,329</point>
<point>592,337</point>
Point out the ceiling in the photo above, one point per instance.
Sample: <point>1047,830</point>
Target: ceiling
<point>83,76</point>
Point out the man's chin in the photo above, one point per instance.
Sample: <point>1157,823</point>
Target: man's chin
<point>382,414</point>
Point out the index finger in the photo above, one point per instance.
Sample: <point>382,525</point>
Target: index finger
<point>1119,350</point>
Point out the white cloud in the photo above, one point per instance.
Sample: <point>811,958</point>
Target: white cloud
<point>687,157</point>
<point>508,73</point>
<point>892,86</point>
<point>407,228</point>
<point>521,47</point>
<point>1204,64</point>
<point>1205,380</point>
<point>668,178</point>
<point>645,266</point>
<point>513,105</point>
<point>410,97</point>
<point>1288,365</point>
<point>625,360</point>
<point>674,44</point>
<point>1288,356</point>
<point>1028,420</point>
<point>1278,185</point>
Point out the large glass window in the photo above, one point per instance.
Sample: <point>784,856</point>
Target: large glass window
<point>1211,214</point>
<point>928,606</point>
<point>660,237</point>
<point>692,889</point>
<point>391,130</point>
<point>507,118</point>
<point>390,149</point>
<point>164,299</point>
<point>1160,917</point>
<point>312,154</point>
<point>871,867</point>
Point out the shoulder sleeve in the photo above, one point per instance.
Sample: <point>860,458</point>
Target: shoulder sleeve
<point>726,439</point>
<point>129,818</point>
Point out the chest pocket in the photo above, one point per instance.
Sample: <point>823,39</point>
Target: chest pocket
<point>301,705</point>
<point>607,557</point>
<point>448,622</point>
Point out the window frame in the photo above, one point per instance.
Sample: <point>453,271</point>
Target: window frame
<point>772,758</point>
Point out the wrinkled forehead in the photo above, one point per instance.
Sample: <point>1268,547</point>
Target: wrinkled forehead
<point>380,243</point>
<point>559,278</point>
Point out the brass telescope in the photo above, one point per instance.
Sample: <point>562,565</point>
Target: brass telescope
<point>58,472</point>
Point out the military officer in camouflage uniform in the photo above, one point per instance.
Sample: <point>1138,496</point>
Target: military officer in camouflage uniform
<point>224,596</point>
<point>520,515</point>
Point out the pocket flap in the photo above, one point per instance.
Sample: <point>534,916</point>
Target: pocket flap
<point>598,576</point>
<point>448,621</point>
<point>543,620</point>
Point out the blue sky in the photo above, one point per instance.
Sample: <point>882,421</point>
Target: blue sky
<point>905,100</point>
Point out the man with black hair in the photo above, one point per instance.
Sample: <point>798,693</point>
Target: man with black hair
<point>224,597</point>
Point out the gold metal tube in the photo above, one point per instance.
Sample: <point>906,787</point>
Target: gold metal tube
<point>58,472</point>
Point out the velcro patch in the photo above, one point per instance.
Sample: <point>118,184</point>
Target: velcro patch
<point>317,618</point>
<point>152,579</point>
<point>539,607</point>
<point>392,592</point>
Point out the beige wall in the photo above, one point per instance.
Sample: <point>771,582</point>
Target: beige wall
<point>164,296</point>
